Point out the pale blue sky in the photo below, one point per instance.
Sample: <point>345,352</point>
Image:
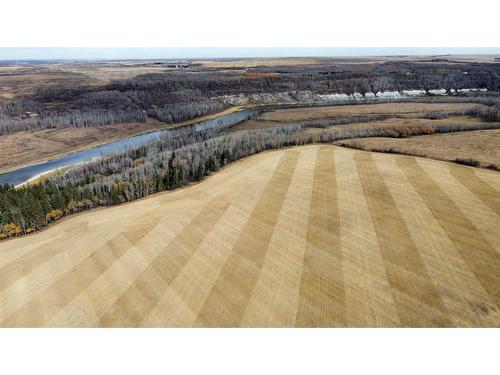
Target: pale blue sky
<point>57,53</point>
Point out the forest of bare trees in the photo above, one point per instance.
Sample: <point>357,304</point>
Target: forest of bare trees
<point>176,95</point>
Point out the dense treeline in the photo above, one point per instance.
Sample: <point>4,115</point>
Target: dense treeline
<point>324,79</point>
<point>95,118</point>
<point>183,156</point>
<point>391,76</point>
<point>130,175</point>
<point>70,119</point>
<point>185,111</point>
<point>19,106</point>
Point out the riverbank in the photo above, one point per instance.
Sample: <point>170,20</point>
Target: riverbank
<point>23,149</point>
<point>223,119</point>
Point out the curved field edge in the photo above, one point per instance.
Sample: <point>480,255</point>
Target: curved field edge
<point>193,183</point>
<point>306,236</point>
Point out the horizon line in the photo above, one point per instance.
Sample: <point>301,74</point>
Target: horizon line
<point>194,53</point>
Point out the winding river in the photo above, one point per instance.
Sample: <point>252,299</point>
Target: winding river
<point>22,175</point>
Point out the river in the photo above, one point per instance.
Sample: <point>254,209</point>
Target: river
<point>22,175</point>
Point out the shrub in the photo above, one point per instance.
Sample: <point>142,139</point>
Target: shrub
<point>470,162</point>
<point>493,166</point>
<point>12,230</point>
<point>54,215</point>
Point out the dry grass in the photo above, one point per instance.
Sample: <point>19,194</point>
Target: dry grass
<point>380,124</point>
<point>311,236</point>
<point>258,75</point>
<point>480,145</point>
<point>109,71</point>
<point>252,63</point>
<point>16,81</point>
<point>408,125</point>
<point>348,111</point>
<point>405,112</point>
<point>343,60</point>
<point>23,80</point>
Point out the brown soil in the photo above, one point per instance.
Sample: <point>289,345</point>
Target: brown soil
<point>480,145</point>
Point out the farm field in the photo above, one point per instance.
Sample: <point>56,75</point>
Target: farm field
<point>312,236</point>
<point>345,60</point>
<point>399,114</point>
<point>348,111</point>
<point>480,145</point>
<point>16,81</point>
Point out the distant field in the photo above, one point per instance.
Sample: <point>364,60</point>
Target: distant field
<point>347,111</point>
<point>20,80</point>
<point>402,124</point>
<point>107,72</point>
<point>250,63</point>
<point>17,81</point>
<point>480,145</point>
<point>315,236</point>
<point>402,110</point>
<point>347,60</point>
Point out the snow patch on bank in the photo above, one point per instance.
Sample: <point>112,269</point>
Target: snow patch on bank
<point>292,97</point>
<point>437,92</point>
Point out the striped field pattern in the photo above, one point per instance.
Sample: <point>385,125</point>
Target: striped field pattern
<point>314,236</point>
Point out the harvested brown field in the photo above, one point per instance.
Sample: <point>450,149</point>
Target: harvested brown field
<point>16,81</point>
<point>251,63</point>
<point>19,80</point>
<point>404,112</point>
<point>480,145</point>
<point>314,236</point>
<point>393,122</point>
<point>342,60</point>
<point>256,75</point>
<point>106,72</point>
<point>348,111</point>
<point>408,127</point>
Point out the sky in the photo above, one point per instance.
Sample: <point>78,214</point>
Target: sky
<point>113,53</point>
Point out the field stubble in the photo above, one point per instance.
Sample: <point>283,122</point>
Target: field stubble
<point>314,236</point>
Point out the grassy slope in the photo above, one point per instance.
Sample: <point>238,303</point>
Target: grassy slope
<point>309,236</point>
<point>480,145</point>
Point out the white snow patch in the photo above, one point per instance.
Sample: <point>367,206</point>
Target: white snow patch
<point>358,96</point>
<point>437,92</point>
<point>414,93</point>
<point>388,95</point>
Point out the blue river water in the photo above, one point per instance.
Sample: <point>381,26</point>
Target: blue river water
<point>22,175</point>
